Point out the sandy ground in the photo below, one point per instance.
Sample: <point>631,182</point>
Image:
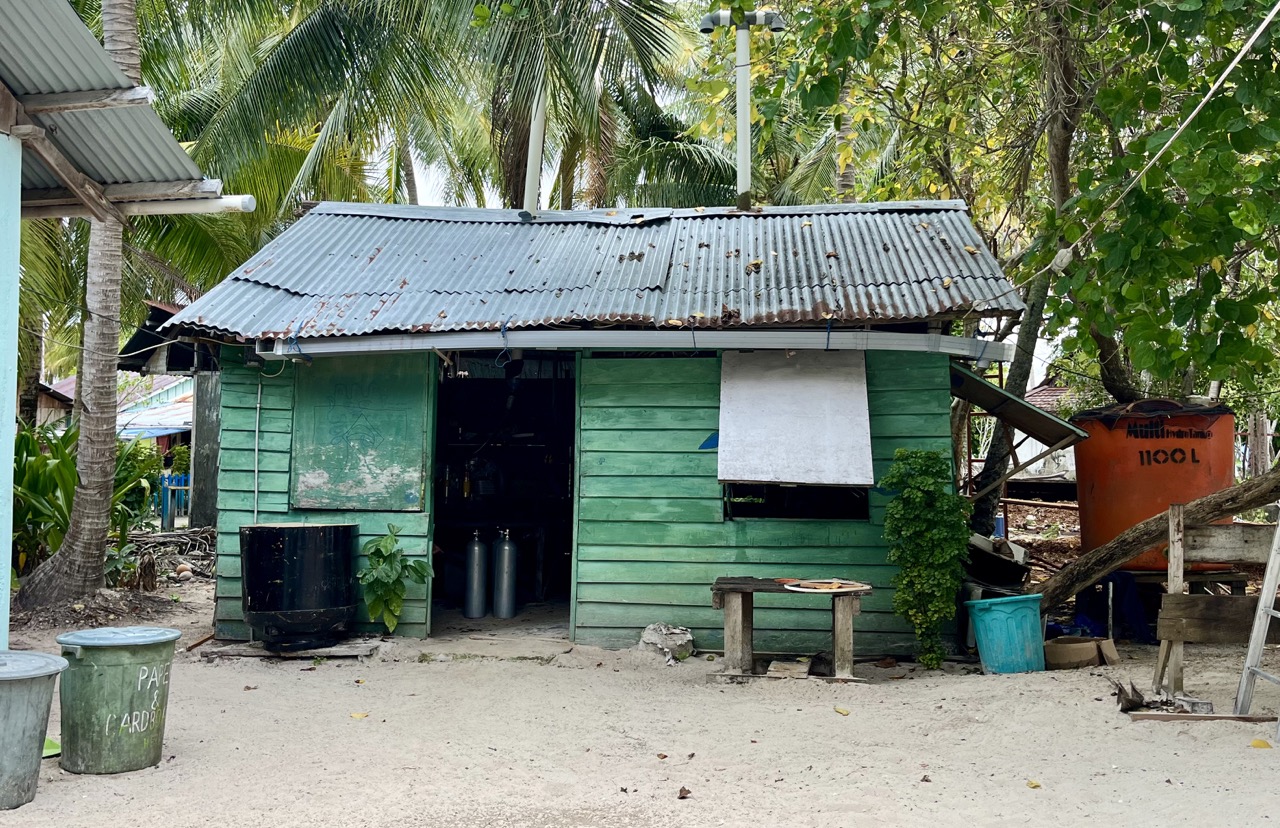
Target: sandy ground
<point>483,730</point>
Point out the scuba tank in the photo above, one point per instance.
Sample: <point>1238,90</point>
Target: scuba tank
<point>504,576</point>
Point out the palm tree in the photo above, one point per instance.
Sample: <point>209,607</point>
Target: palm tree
<point>78,569</point>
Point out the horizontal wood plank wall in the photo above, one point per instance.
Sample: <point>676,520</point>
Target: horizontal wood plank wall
<point>651,537</point>
<point>235,491</point>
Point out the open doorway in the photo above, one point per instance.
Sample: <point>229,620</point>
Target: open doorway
<point>504,458</point>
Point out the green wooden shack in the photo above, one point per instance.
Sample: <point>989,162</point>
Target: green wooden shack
<point>643,399</point>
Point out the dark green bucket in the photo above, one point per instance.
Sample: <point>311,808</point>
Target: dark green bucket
<point>114,697</point>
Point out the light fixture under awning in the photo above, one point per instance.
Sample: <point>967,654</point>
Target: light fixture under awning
<point>1017,413</point>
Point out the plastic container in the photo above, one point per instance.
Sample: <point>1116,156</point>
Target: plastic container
<point>1008,633</point>
<point>1140,458</point>
<point>299,587</point>
<point>26,694</point>
<point>114,697</point>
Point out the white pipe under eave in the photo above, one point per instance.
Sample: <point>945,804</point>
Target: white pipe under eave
<point>186,206</point>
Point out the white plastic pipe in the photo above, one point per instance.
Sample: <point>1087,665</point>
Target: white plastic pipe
<point>537,138</point>
<point>185,206</point>
<point>742,61</point>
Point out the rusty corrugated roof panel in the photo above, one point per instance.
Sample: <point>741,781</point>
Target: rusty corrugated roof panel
<point>347,269</point>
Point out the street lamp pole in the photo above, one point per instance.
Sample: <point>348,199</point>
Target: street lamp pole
<point>742,65</point>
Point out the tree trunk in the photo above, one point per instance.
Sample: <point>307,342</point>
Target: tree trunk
<point>31,368</point>
<point>1016,381</point>
<point>77,568</point>
<point>1096,564</point>
<point>1064,103</point>
<point>1117,377</point>
<point>1259,444</point>
<point>404,159</point>
<point>847,178</point>
<point>567,176</point>
<point>120,36</point>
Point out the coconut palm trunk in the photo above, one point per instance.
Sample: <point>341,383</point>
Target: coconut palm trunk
<point>77,568</point>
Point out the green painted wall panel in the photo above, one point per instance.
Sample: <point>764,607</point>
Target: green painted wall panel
<point>649,486</point>
<point>674,510</point>
<point>830,555</point>
<point>656,371</point>
<point>642,463</point>
<point>360,433</point>
<point>646,440</point>
<point>641,422</point>
<point>655,418</point>
<point>687,572</point>
<point>675,395</point>
<point>750,532</point>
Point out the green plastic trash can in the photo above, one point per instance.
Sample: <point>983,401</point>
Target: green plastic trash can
<point>26,694</point>
<point>114,697</point>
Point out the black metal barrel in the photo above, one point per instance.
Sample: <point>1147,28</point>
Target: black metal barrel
<point>298,587</point>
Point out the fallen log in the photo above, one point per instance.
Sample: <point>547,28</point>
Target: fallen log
<point>1096,564</point>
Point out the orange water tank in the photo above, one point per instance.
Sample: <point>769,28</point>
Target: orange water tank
<point>1140,458</point>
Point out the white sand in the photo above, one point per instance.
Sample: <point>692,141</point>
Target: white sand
<point>483,741</point>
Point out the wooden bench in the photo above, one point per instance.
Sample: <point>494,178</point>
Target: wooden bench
<point>737,597</point>
<point>1205,619</point>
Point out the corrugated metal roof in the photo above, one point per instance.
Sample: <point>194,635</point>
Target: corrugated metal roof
<point>45,48</point>
<point>357,269</point>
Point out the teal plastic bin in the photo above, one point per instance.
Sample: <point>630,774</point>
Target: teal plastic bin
<point>1008,633</point>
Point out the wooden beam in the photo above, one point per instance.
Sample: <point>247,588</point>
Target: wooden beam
<point>1157,716</point>
<point>1230,543</point>
<point>88,191</point>
<point>1209,619</point>
<point>119,193</point>
<point>58,102</point>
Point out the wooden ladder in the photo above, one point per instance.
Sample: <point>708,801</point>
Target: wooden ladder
<point>1262,618</point>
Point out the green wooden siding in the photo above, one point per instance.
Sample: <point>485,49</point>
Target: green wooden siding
<point>650,531</point>
<point>275,446</point>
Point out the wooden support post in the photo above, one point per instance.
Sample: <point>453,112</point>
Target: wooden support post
<point>843,609</point>
<point>739,609</point>
<point>1177,566</point>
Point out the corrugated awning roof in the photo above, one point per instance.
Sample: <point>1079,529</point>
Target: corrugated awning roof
<point>79,113</point>
<point>1039,424</point>
<point>349,269</point>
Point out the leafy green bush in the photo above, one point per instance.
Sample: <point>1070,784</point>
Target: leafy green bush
<point>136,463</point>
<point>44,488</point>
<point>384,579</point>
<point>927,528</point>
<point>44,485</point>
<point>181,459</point>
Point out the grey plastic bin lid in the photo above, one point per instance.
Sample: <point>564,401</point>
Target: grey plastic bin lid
<point>16,666</point>
<point>119,637</point>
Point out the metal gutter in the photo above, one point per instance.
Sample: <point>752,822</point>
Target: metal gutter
<point>655,340</point>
